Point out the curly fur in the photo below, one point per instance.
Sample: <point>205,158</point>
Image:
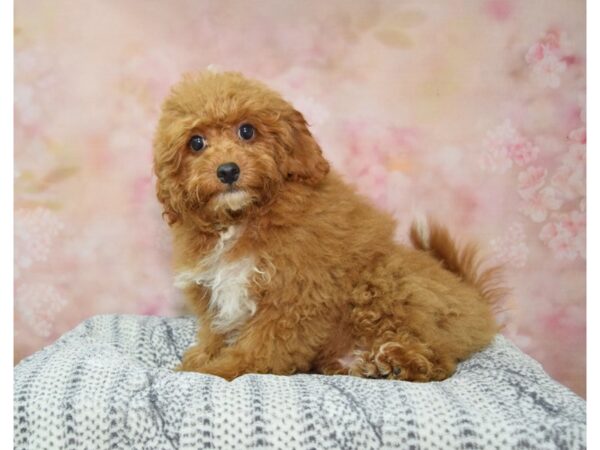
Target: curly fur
<point>313,281</point>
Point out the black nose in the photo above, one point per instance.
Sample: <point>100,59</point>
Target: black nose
<point>228,173</point>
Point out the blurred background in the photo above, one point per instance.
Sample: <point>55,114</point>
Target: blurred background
<point>471,110</point>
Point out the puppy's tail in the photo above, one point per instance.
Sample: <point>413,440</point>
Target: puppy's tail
<point>427,235</point>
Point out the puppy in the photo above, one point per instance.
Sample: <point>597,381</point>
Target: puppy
<point>288,269</point>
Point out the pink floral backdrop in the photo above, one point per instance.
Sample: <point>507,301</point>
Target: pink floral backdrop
<point>471,110</point>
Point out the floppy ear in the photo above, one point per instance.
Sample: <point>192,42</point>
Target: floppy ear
<point>304,159</point>
<point>169,193</point>
<point>167,161</point>
<point>170,200</point>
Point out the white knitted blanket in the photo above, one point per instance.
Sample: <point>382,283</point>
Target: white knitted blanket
<point>108,384</point>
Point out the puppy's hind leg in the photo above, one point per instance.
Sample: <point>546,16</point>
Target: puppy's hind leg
<point>404,358</point>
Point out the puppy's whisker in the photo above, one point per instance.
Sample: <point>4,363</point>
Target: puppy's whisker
<point>197,194</point>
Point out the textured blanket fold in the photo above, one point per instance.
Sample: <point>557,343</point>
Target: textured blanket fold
<point>108,384</point>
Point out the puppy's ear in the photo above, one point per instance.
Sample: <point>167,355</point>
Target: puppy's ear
<point>167,162</point>
<point>304,159</point>
<point>170,201</point>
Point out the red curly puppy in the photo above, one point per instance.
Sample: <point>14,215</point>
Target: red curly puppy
<point>287,268</point>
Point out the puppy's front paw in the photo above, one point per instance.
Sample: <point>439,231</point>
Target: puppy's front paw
<point>364,366</point>
<point>394,361</point>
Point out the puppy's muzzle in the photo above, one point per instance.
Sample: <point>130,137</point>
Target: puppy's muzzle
<point>228,173</point>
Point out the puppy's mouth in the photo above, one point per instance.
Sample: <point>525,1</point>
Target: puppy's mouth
<point>232,199</point>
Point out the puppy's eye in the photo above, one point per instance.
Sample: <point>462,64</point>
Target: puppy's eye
<point>246,132</point>
<point>197,143</point>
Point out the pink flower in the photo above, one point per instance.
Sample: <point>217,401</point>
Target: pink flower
<point>548,71</point>
<point>547,60</point>
<point>523,152</point>
<point>574,223</point>
<point>505,145</point>
<point>535,53</point>
<point>530,180</point>
<point>552,39</point>
<point>564,246</point>
<point>549,43</point>
<point>566,237</point>
<point>538,205</point>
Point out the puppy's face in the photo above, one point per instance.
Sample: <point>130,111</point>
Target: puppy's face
<point>226,145</point>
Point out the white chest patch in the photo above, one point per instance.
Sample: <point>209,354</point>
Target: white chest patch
<point>228,281</point>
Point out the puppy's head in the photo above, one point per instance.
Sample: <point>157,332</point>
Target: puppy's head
<point>226,145</point>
